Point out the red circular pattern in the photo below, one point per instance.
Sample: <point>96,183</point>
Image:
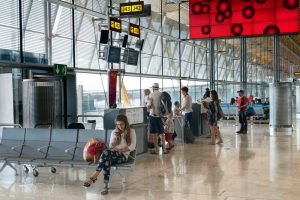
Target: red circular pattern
<point>205,9</point>
<point>224,12</point>
<point>291,4</point>
<point>261,1</point>
<point>271,29</point>
<point>206,29</point>
<point>223,6</point>
<point>248,12</point>
<point>228,14</point>
<point>196,8</point>
<point>219,18</point>
<point>237,29</point>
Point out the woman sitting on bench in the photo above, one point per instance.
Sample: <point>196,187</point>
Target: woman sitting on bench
<point>122,142</point>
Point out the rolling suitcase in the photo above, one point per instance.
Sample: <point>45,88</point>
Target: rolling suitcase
<point>188,136</point>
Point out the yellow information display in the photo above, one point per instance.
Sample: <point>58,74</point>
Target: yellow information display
<point>115,24</point>
<point>134,30</point>
<point>132,8</point>
<point>297,74</point>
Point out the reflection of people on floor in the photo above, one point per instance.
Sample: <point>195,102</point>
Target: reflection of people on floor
<point>244,156</point>
<point>215,172</point>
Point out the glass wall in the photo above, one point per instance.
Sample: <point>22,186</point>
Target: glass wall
<point>56,33</point>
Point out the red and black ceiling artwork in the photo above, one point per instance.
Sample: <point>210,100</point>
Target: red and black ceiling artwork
<point>229,18</point>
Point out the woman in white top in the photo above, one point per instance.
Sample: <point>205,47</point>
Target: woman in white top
<point>147,92</point>
<point>187,107</point>
<point>122,142</point>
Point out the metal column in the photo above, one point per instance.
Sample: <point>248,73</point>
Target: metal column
<point>243,69</point>
<point>276,58</point>
<point>212,64</point>
<point>298,101</point>
<point>280,97</point>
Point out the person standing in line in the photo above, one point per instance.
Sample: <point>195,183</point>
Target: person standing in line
<point>176,110</point>
<point>147,92</point>
<point>187,107</point>
<point>207,93</point>
<point>266,108</point>
<point>213,106</point>
<point>155,120</point>
<point>242,103</point>
<point>232,101</point>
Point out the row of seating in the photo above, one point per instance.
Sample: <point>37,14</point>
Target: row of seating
<point>230,111</point>
<point>50,148</point>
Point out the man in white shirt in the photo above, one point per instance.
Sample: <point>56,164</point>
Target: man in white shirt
<point>187,107</point>
<point>155,120</point>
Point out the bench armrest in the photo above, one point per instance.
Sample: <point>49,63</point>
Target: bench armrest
<point>15,148</point>
<point>41,148</point>
<point>69,149</point>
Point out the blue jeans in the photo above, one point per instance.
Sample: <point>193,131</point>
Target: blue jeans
<point>243,121</point>
<point>188,119</point>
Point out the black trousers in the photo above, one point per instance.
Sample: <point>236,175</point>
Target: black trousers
<point>243,121</point>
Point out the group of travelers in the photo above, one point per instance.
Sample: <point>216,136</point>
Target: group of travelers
<point>163,126</point>
<point>210,103</point>
<point>123,138</point>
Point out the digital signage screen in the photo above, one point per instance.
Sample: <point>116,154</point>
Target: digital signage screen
<point>112,54</point>
<point>131,56</point>
<point>227,18</point>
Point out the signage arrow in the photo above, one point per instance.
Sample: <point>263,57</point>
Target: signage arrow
<point>57,70</point>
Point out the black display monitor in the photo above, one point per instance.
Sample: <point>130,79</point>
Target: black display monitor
<point>139,44</point>
<point>131,56</point>
<point>104,36</point>
<point>112,54</point>
<point>125,40</point>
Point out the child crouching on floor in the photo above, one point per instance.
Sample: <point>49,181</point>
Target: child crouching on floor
<point>169,130</point>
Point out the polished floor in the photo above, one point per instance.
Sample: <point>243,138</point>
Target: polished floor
<point>247,167</point>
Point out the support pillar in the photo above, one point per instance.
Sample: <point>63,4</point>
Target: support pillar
<point>276,59</point>
<point>298,101</point>
<point>280,108</point>
<point>280,98</point>
<point>212,65</point>
<point>243,67</point>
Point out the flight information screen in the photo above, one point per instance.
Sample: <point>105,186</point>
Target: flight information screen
<point>227,18</point>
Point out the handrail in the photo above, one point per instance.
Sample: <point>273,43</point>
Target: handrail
<point>8,124</point>
<point>90,116</point>
<point>85,116</point>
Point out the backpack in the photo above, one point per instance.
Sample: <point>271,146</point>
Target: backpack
<point>96,145</point>
<point>165,103</point>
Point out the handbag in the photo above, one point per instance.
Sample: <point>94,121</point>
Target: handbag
<point>220,114</point>
<point>249,112</point>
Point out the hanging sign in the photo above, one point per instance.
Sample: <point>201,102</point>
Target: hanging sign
<point>60,70</point>
<point>134,30</point>
<point>297,74</point>
<point>112,88</point>
<point>115,24</point>
<point>132,8</point>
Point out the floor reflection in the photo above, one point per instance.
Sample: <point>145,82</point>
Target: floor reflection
<point>215,172</point>
<point>244,155</point>
<point>253,166</point>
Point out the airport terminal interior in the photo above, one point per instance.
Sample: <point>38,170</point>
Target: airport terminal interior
<point>74,73</point>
